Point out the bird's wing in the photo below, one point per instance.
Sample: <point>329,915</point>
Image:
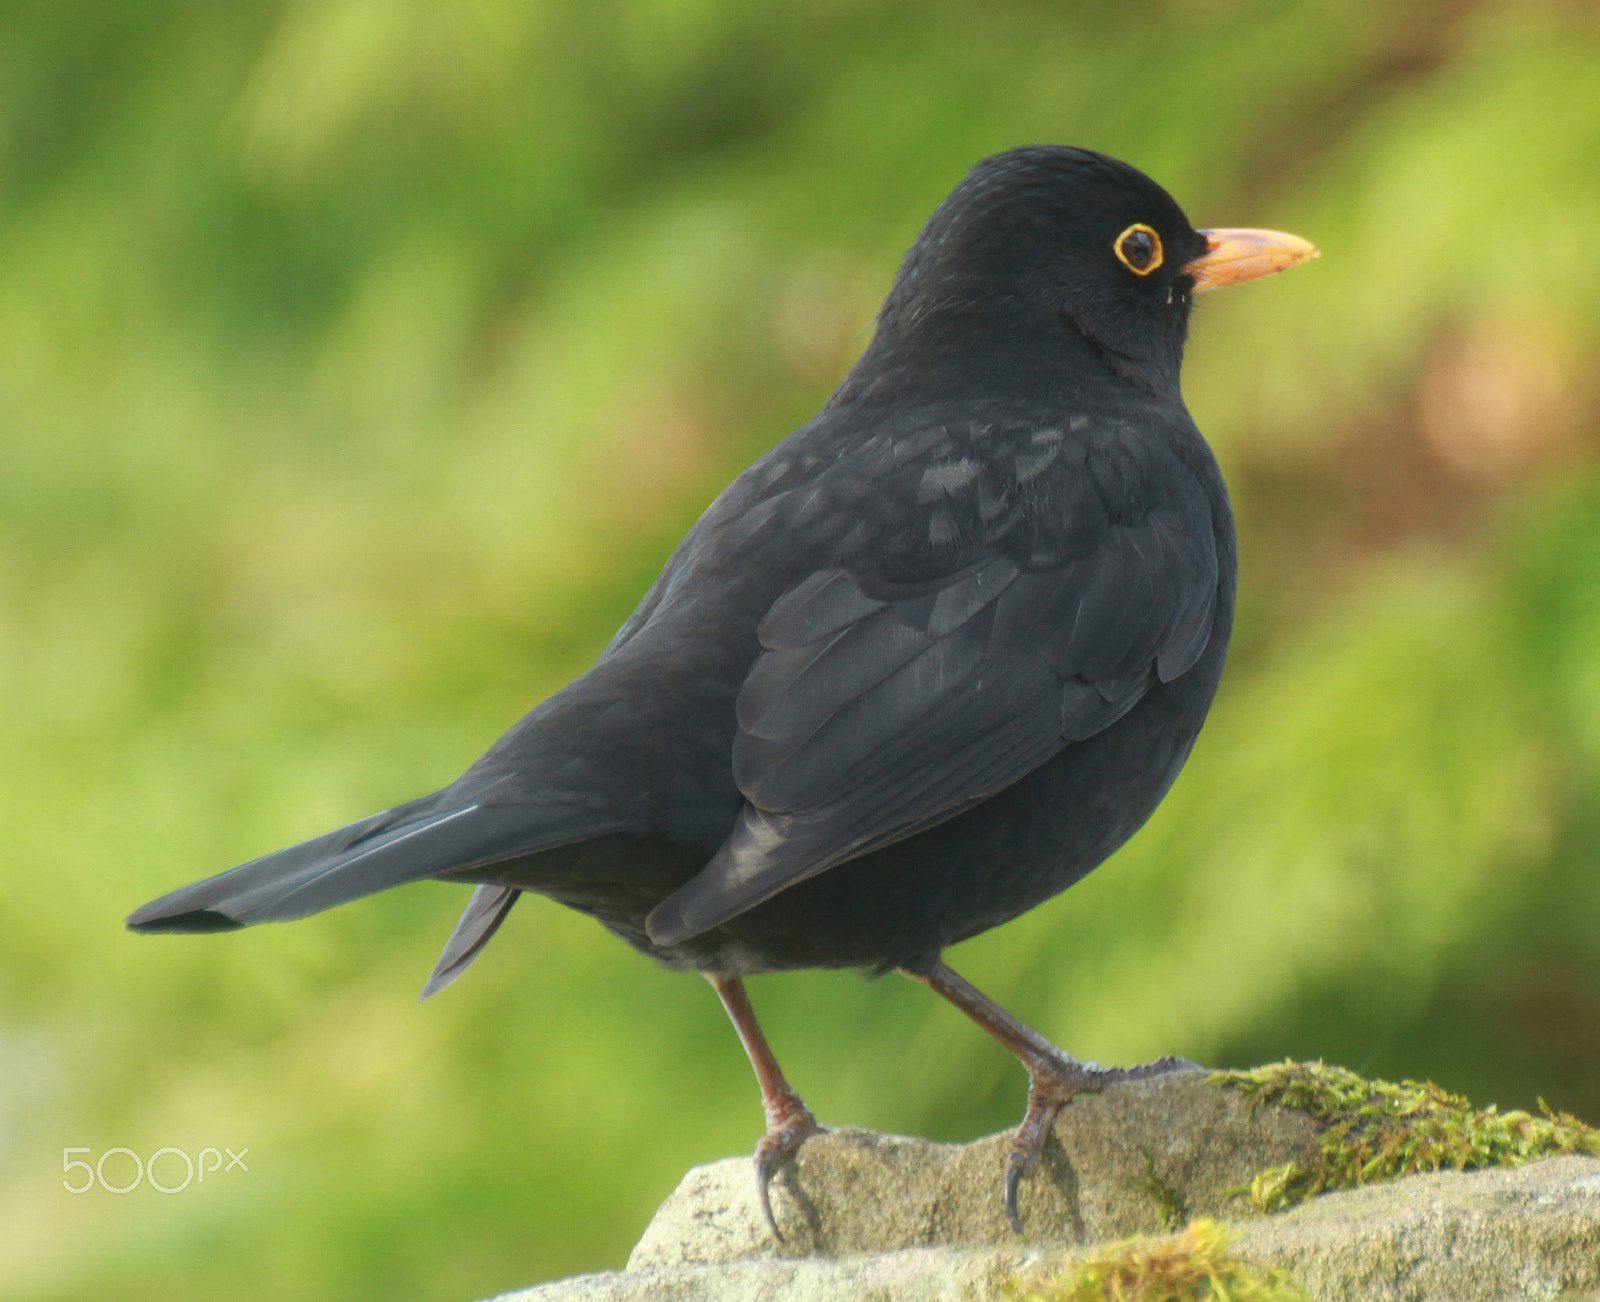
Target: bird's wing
<point>886,700</point>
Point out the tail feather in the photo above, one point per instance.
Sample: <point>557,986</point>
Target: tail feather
<point>481,919</point>
<point>401,845</point>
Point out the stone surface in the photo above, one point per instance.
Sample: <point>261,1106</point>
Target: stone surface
<point>1465,1236</point>
<point>855,1191</point>
<point>924,1274</point>
<point>868,1216</point>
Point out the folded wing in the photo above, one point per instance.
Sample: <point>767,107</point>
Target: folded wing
<point>887,701</point>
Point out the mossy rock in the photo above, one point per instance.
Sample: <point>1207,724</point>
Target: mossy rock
<point>1377,1130</point>
<point>1197,1264</point>
<point>868,1216</point>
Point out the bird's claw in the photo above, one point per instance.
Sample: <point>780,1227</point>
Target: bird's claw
<point>1016,1168</point>
<point>1052,1084</point>
<point>1047,1095</point>
<point>786,1131</point>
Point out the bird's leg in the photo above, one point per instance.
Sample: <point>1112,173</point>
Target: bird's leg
<point>1054,1075</point>
<point>789,1120</point>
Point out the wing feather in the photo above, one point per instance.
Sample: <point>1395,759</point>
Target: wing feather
<point>888,700</point>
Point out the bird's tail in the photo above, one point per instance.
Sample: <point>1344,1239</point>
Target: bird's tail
<point>482,918</point>
<point>422,839</point>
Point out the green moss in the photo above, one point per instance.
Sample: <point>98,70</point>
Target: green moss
<point>1170,1204</point>
<point>1377,1130</point>
<point>1193,1266</point>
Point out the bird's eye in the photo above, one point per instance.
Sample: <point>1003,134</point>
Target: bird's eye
<point>1139,249</point>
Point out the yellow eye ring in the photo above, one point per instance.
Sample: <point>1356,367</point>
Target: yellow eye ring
<point>1139,249</point>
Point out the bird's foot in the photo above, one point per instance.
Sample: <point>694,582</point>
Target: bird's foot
<point>1055,1077</point>
<point>1054,1080</point>
<point>789,1124</point>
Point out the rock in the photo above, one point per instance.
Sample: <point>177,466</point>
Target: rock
<point>1458,1236</point>
<point>869,1216</point>
<point>926,1274</point>
<point>1141,1157</point>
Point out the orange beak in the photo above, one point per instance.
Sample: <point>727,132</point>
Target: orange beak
<point>1232,256</point>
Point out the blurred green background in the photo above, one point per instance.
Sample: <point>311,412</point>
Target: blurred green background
<point>360,362</point>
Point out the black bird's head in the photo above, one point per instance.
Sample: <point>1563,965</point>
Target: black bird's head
<point>1088,240</point>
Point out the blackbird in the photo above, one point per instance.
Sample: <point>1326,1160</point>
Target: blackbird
<point>922,666</point>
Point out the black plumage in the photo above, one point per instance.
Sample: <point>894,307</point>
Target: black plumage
<point>922,666</point>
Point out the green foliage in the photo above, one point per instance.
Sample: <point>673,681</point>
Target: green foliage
<point>1191,1266</point>
<point>1377,1130</point>
<point>361,361</point>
